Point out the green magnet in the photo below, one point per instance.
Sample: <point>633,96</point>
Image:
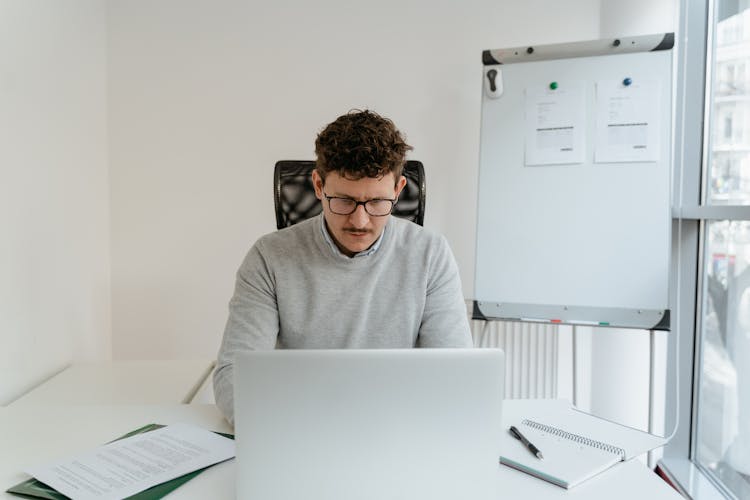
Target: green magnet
<point>553,85</point>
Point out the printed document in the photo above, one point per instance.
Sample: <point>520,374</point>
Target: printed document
<point>128,466</point>
<point>627,121</point>
<point>556,124</point>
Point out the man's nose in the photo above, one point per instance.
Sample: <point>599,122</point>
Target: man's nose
<point>359,218</point>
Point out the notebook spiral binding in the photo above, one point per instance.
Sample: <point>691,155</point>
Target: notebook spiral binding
<point>575,437</point>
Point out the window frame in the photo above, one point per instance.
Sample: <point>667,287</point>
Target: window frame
<point>690,215</point>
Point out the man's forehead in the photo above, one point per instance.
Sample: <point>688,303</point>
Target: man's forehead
<point>366,186</point>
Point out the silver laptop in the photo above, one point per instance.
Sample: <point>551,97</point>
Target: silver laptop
<point>369,424</point>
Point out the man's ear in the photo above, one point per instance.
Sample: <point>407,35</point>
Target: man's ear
<point>400,185</point>
<point>317,184</point>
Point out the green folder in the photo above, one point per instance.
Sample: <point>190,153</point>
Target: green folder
<point>32,488</point>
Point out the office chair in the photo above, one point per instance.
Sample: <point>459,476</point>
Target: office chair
<point>294,195</point>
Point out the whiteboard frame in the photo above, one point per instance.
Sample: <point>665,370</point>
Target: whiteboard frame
<point>505,217</point>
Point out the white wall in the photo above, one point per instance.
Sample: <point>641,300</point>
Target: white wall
<point>637,17</point>
<point>204,97</point>
<point>54,194</point>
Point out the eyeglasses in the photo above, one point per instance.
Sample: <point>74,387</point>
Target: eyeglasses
<point>379,207</point>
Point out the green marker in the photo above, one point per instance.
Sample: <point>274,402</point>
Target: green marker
<point>604,323</point>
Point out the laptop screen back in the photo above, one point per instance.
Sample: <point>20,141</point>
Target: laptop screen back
<point>369,424</point>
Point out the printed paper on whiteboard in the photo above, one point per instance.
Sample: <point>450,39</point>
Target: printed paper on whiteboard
<point>556,124</point>
<point>627,121</point>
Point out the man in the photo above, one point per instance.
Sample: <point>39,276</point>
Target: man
<point>352,277</point>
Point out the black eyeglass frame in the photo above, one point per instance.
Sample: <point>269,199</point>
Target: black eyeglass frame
<point>358,203</point>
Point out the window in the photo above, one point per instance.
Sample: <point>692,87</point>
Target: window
<point>712,243</point>
<point>722,431</point>
<point>723,405</point>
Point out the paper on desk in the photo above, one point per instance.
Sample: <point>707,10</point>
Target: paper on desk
<point>562,415</point>
<point>125,467</point>
<point>576,445</point>
<point>632,441</point>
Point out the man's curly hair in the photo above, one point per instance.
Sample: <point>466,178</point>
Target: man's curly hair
<point>361,144</point>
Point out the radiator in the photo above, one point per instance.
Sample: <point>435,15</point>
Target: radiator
<point>531,355</point>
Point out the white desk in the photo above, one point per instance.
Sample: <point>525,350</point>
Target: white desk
<point>35,434</point>
<point>122,382</point>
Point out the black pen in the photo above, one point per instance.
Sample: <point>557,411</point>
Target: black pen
<point>533,449</point>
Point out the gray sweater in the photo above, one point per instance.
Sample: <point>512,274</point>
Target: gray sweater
<point>294,290</point>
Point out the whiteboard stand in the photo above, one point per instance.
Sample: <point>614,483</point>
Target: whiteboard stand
<point>651,389</point>
<point>575,366</point>
<point>573,206</point>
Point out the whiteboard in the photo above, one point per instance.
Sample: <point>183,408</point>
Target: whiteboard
<point>581,243</point>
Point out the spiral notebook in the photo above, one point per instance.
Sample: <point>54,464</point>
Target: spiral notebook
<point>576,445</point>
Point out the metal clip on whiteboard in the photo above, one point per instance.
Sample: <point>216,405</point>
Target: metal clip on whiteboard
<point>493,81</point>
